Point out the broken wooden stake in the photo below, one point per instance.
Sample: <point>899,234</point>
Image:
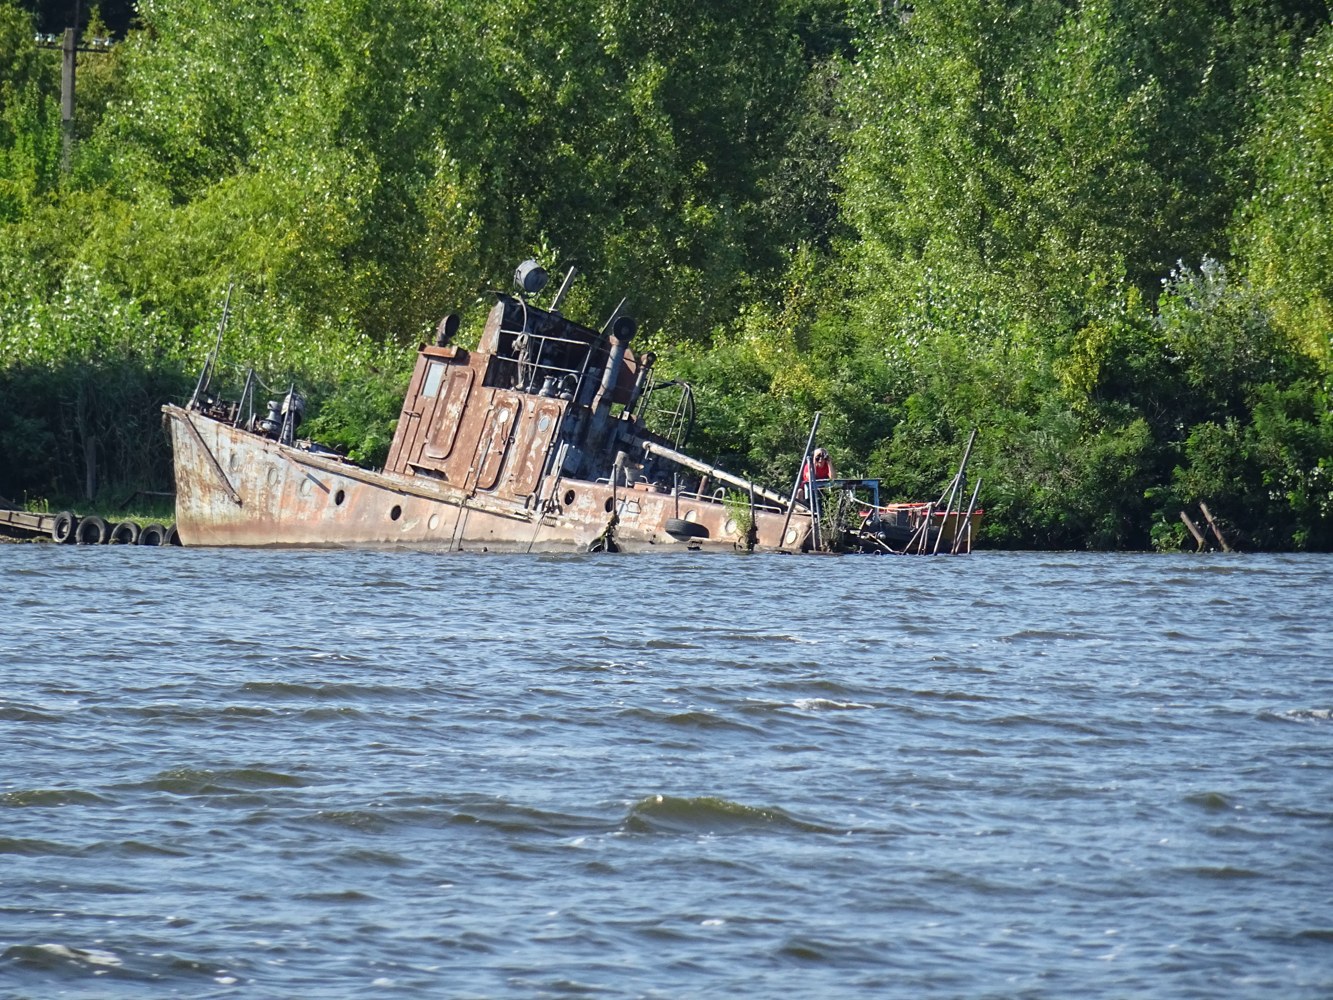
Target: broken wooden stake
<point>1194,530</point>
<point>1217,532</point>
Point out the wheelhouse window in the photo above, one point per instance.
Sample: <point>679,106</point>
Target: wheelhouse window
<point>430,386</point>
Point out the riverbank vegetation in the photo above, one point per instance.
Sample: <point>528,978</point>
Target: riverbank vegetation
<point>1099,232</point>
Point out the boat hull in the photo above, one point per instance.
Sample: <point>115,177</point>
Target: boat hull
<point>236,487</point>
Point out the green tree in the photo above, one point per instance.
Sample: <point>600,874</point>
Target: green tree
<point>1283,232</point>
<point>29,118</point>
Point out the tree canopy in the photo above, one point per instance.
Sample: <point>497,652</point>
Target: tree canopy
<point>1096,231</point>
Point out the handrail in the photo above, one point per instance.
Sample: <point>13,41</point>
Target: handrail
<point>653,448</point>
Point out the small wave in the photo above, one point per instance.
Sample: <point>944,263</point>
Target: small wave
<point>602,666</point>
<point>59,956</point>
<point>73,962</point>
<point>729,635</point>
<point>373,859</point>
<point>950,695</point>
<point>1177,636</point>
<point>823,685</point>
<point>167,713</point>
<point>808,949</point>
<point>49,797</point>
<point>341,712</point>
<point>36,848</point>
<point>138,849</point>
<point>1299,715</point>
<point>1223,873</point>
<point>191,781</point>
<point>1211,801</point>
<point>337,896</point>
<point>247,712</point>
<point>508,817</point>
<point>709,815</point>
<point>692,719</point>
<point>670,644</point>
<point>946,666</point>
<point>1317,934</point>
<point>353,819</point>
<point>827,704</point>
<point>1041,635</point>
<point>17,713</point>
<point>1020,721</point>
<point>324,692</point>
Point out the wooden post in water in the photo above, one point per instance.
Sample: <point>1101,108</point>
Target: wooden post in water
<point>1200,541</point>
<point>1213,524</point>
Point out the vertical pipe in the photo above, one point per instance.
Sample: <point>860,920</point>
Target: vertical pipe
<point>955,489</point>
<point>564,289</point>
<point>967,523</point>
<point>796,488</point>
<point>752,533</point>
<point>816,512</point>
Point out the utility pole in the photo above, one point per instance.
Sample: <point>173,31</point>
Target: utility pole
<point>68,60</point>
<point>69,48</point>
<point>68,51</point>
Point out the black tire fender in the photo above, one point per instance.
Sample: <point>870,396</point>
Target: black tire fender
<point>92,530</point>
<point>125,533</point>
<point>64,528</point>
<point>173,536</point>
<point>153,534</point>
<point>682,530</point>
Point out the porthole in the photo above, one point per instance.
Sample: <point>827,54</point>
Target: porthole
<point>273,477</point>
<point>339,497</point>
<point>790,538</point>
<point>691,515</point>
<point>569,498</point>
<point>609,506</point>
<point>395,512</point>
<point>434,522</point>
<point>730,527</point>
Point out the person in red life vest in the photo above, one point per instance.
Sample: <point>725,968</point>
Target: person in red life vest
<point>823,468</point>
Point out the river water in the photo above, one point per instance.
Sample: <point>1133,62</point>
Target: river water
<point>347,774</point>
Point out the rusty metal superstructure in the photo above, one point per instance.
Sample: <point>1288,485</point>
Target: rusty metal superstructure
<point>536,440</point>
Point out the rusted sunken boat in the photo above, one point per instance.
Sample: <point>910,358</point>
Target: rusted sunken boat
<point>548,436</point>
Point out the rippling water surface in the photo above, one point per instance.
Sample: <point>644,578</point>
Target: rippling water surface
<point>335,774</point>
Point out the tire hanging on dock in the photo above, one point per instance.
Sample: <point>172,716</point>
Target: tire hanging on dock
<point>125,533</point>
<point>153,534</point>
<point>63,530</point>
<point>92,530</point>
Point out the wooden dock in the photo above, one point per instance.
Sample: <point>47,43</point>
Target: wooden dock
<point>68,527</point>
<point>21,524</point>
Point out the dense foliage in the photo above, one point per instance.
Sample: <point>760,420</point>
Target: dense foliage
<point>1097,231</point>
